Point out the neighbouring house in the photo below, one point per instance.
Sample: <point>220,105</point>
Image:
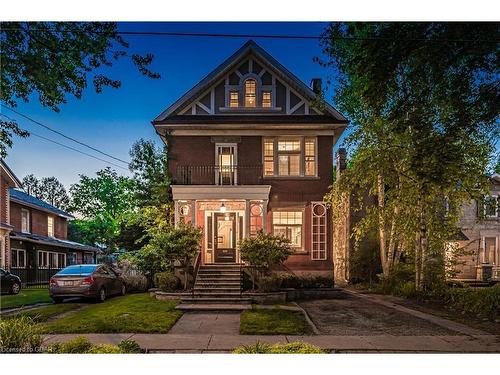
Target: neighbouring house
<point>34,235</point>
<point>7,180</point>
<point>251,148</point>
<point>480,245</point>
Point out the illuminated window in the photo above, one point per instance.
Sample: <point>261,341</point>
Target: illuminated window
<point>268,157</point>
<point>234,101</point>
<point>289,157</point>
<point>250,92</point>
<point>310,157</point>
<point>289,225</point>
<point>266,99</point>
<point>50,226</point>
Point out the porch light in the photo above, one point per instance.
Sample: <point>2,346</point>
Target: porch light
<point>222,208</point>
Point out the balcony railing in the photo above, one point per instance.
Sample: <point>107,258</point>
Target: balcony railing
<point>218,175</point>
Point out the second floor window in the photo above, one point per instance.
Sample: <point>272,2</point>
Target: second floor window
<point>234,100</point>
<point>25,221</point>
<point>290,157</point>
<point>50,226</point>
<point>266,99</point>
<point>250,93</point>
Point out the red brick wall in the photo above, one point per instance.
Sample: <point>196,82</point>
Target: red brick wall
<point>38,221</point>
<point>4,190</point>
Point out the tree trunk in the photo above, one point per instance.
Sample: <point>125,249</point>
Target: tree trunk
<point>381,224</point>
<point>421,252</point>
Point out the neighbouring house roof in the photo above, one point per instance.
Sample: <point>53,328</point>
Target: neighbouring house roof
<point>21,197</point>
<point>51,241</point>
<point>5,168</point>
<point>496,177</point>
<point>248,48</point>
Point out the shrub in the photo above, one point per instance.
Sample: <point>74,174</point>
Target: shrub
<point>129,346</point>
<point>19,334</point>
<point>296,347</point>
<point>399,275</point>
<point>81,345</point>
<point>269,284</point>
<point>166,281</point>
<point>482,302</point>
<point>264,250</point>
<point>135,283</point>
<point>289,280</point>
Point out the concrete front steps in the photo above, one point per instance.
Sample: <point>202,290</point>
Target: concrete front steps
<point>216,287</point>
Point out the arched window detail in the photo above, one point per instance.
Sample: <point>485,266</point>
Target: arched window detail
<point>250,93</point>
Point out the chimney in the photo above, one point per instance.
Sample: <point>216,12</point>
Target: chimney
<point>341,161</point>
<point>316,85</point>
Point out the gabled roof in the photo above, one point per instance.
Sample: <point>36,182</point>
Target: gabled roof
<point>249,47</point>
<point>28,200</point>
<point>12,177</point>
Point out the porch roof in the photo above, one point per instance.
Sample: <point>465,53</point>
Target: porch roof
<point>51,241</point>
<point>217,192</point>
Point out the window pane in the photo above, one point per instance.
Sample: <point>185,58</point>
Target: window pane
<point>310,157</point>
<point>50,226</point>
<point>283,165</point>
<point>289,145</point>
<point>13,258</point>
<point>490,206</point>
<point>269,157</point>
<point>266,100</point>
<point>233,99</point>
<point>250,87</point>
<point>22,261</point>
<point>294,165</point>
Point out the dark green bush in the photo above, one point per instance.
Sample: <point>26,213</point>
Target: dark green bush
<point>482,302</point>
<point>289,280</point>
<point>269,284</point>
<point>297,347</point>
<point>400,274</point>
<point>166,281</point>
<point>82,345</point>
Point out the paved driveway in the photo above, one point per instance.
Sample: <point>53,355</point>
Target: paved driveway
<point>355,316</point>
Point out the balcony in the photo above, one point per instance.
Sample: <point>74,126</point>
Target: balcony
<point>218,175</point>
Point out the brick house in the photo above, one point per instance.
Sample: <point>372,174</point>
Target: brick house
<point>7,180</point>
<point>34,235</point>
<point>480,223</point>
<point>250,148</point>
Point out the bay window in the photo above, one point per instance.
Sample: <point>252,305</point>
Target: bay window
<point>290,156</point>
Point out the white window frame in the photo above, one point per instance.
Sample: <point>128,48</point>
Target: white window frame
<point>17,257</point>
<point>51,219</point>
<point>295,249</point>
<point>234,167</point>
<point>302,163</point>
<point>497,208</point>
<point>318,221</point>
<point>28,219</point>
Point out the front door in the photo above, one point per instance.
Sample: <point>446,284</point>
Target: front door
<point>225,237</point>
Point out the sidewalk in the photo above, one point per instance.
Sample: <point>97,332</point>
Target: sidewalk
<point>216,343</point>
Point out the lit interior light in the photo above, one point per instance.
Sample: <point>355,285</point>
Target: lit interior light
<point>222,208</point>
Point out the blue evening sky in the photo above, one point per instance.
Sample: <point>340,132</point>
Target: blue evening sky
<point>114,119</point>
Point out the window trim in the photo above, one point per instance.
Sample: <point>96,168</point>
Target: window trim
<point>28,220</point>
<point>325,217</point>
<point>295,249</point>
<point>17,257</point>
<point>49,253</point>
<point>496,253</point>
<point>302,165</point>
<point>256,95</point>
<point>237,99</point>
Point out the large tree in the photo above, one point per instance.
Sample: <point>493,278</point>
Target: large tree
<point>424,103</point>
<point>55,59</point>
<point>102,201</point>
<point>49,189</point>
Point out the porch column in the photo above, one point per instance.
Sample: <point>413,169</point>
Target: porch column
<point>264,216</point>
<point>193,212</point>
<point>176,213</point>
<point>247,218</point>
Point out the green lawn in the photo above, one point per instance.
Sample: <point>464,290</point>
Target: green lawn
<point>28,296</point>
<point>44,313</point>
<point>273,322</point>
<point>134,313</point>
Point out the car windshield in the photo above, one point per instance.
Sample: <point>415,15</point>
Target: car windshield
<point>85,269</point>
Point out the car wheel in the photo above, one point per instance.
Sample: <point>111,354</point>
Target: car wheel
<point>15,288</point>
<point>57,300</point>
<point>124,289</point>
<point>102,295</point>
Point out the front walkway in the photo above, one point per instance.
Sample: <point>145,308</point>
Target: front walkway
<point>217,322</point>
<point>213,343</point>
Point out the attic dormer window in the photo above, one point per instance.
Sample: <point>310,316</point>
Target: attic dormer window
<point>234,99</point>
<point>250,93</point>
